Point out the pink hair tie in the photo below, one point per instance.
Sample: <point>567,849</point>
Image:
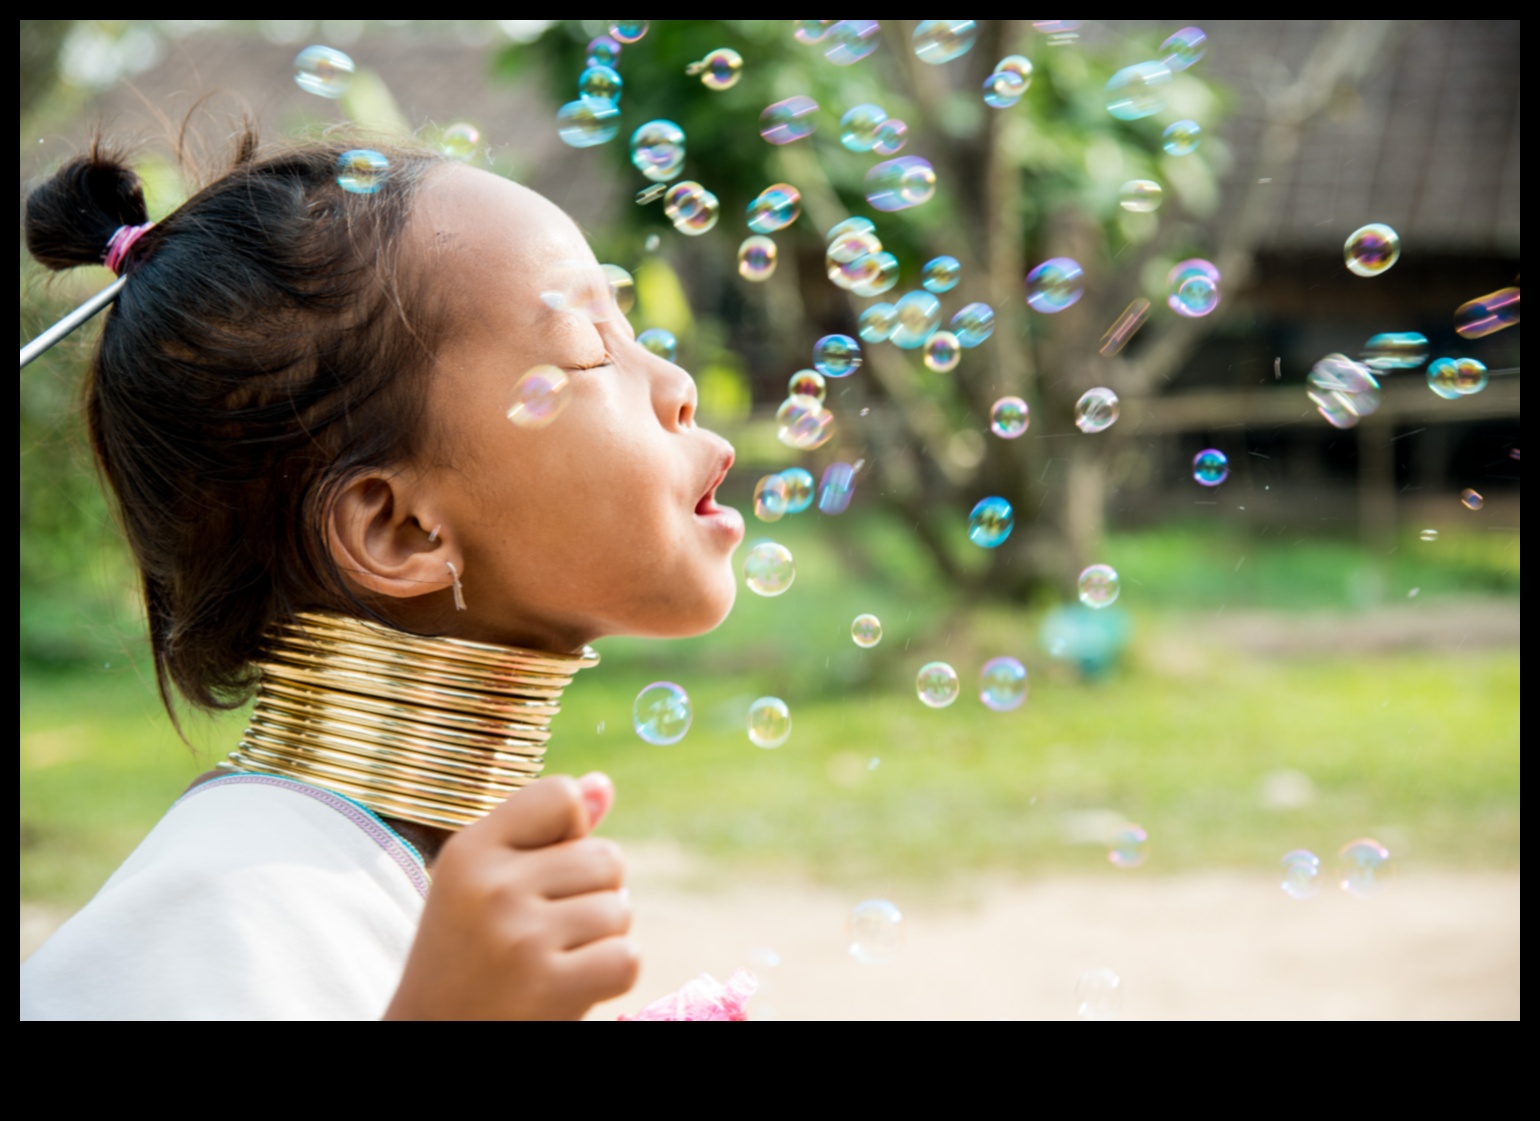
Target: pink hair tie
<point>123,239</point>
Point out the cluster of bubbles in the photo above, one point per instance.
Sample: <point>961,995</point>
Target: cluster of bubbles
<point>875,932</point>
<point>1008,81</point>
<point>1098,586</point>
<point>1372,249</point>
<point>594,116</point>
<point>786,492</point>
<point>1363,869</point>
<point>769,722</point>
<point>1456,377</point>
<point>868,128</point>
<point>773,209</point>
<point>661,713</point>
<point>1097,410</point>
<point>768,568</point>
<point>990,522</point>
<point>855,260</point>
<point>1343,391</point>
<point>1210,467</point>
<point>1192,288</point>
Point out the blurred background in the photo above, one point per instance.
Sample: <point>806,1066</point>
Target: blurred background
<point>1322,648</point>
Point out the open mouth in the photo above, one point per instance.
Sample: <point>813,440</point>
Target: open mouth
<point>708,501</point>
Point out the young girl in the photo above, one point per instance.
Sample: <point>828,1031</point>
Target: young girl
<point>301,401</point>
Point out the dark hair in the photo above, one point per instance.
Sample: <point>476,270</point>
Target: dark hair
<point>261,354</point>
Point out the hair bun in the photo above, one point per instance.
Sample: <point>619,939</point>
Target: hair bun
<point>71,217</point>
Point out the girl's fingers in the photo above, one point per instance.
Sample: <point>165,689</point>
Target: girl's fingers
<point>545,812</point>
<point>600,970</point>
<point>576,868</point>
<point>586,919</point>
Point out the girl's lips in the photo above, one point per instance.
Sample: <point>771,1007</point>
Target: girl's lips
<point>722,519</point>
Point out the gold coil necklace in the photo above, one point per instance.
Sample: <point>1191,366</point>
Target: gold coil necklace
<point>433,730</point>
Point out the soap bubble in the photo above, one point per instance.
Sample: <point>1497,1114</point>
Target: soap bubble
<point>788,120</point>
<point>936,684</point>
<point>799,489</point>
<point>877,323</point>
<point>651,193</point>
<point>1195,296</point>
<point>1004,88</point>
<point>602,51</point>
<point>1363,867</point>
<point>768,568</point>
<point>460,140</point>
<point>1370,250</point>
<point>803,423</point>
<point>1470,376</point>
<point>1140,196</point>
<point>875,931</point>
<point>601,82</point>
<point>770,498</point>
<point>942,352</point>
<point>1008,418</point>
<point>1128,846</point>
<point>836,487</point>
<point>539,397</point>
<point>850,40</point>
<point>858,127</point>
<point>1396,350</point>
<point>1055,285</point>
<point>973,324</point>
<point>324,71</point>
<point>622,287</point>
<point>1210,467</point>
<point>863,230</point>
<point>1429,535</point>
<point>691,207</point>
<point>1097,410</point>
<point>657,150</point>
<point>941,40</point>
<point>807,383</point>
<point>769,722</point>
<point>362,171</point>
<point>628,30</point>
<point>1099,586</point>
<point>1138,91</point>
<point>660,341</point>
<point>1183,48</point>
<point>774,208</point>
<point>1471,499</point>
<point>918,314</point>
<point>879,274</point>
<point>900,183</point>
<point>1100,994</point>
<point>892,134</point>
<point>661,714</point>
<point>991,522</point>
<point>1003,684</point>
<point>1442,378</point>
<point>810,30</point>
<point>1301,874</point>
<point>1125,327</point>
<point>837,356</point>
<point>1181,138</point>
<point>866,631</point>
<point>720,69</point>
<point>1482,316</point>
<point>756,258</point>
<point>587,121</point>
<point>1344,391</point>
<point>940,274</point>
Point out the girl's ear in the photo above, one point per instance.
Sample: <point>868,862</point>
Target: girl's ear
<point>382,544</point>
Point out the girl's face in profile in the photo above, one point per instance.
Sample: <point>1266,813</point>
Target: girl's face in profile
<point>605,521</point>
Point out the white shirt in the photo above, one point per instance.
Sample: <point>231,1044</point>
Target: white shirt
<point>254,898</point>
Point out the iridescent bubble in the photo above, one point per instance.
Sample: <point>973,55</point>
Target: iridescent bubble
<point>1343,391</point>
<point>770,498</point>
<point>460,140</point>
<point>1370,250</point>
<point>601,82</point>
<point>917,316</point>
<point>1181,138</point>
<point>661,342</point>
<point>539,397</point>
<point>774,208</point>
<point>1443,378</point>
<point>866,631</point>
<point>1193,288</point>
<point>651,193</point>
<point>602,51</point>
<point>851,240</point>
<point>875,931</point>
<point>900,183</point>
<point>721,69</point>
<point>789,120</point>
<point>941,40</point>
<point>836,488</point>
<point>850,40</point>
<point>1003,88</point>
<point>937,684</point>
<point>1471,499</point>
<point>587,121</point>
<point>991,522</point>
<point>1097,410</point>
<point>1486,314</point>
<point>1008,418</point>
<point>653,242</point>
<point>1099,993</point>
<point>1363,867</point>
<point>1054,285</point>
<point>1470,376</point>
<point>878,273</point>
<point>810,30</point>
<point>323,71</point>
<point>807,383</point>
<point>1128,846</point>
<point>756,258</point>
<point>858,127</point>
<point>1003,684</point>
<point>768,568</point>
<point>1017,64</point>
<point>837,356</point>
<point>1210,467</point>
<point>799,489</point>
<point>1098,586</point>
<point>1138,91</point>
<point>769,722</point>
<point>622,287</point>
<point>628,31</point>
<point>661,714</point>
<point>941,274</point>
<point>1429,535</point>
<point>973,324</point>
<point>657,150</point>
<point>1140,196</point>
<point>1125,327</point>
<point>942,352</point>
<point>702,215</point>
<point>892,134</point>
<point>803,423</point>
<point>362,171</point>
<point>1301,874</point>
<point>877,323</point>
<point>1396,350</point>
<point>1183,48</point>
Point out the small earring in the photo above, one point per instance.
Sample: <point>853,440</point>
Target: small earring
<point>459,591</point>
<point>433,536</point>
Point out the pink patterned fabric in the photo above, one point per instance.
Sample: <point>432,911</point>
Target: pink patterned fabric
<point>704,998</point>
<point>122,240</point>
